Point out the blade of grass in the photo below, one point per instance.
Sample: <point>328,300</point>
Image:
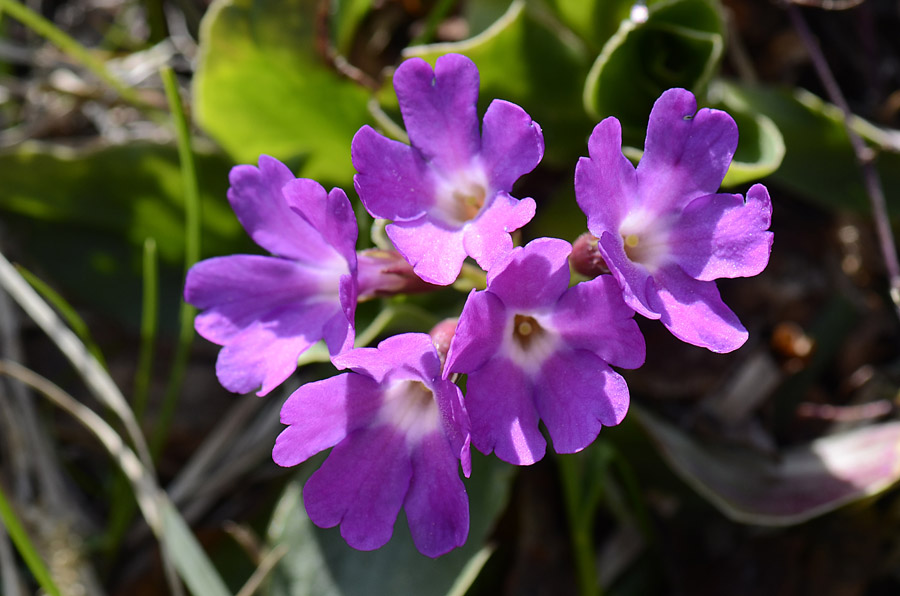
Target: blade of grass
<point>71,317</point>
<point>95,377</point>
<point>11,581</point>
<point>164,520</point>
<point>25,547</point>
<point>122,505</point>
<point>72,48</point>
<point>191,256</point>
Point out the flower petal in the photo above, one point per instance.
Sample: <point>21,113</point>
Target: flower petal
<point>634,279</point>
<point>321,414</point>
<point>721,235</point>
<point>330,215</point>
<point>265,352</point>
<point>437,506</point>
<point>502,412</point>
<point>393,181</point>
<point>532,276</point>
<point>435,251</point>
<point>686,154</point>
<point>512,144</point>
<point>454,421</point>
<point>606,182</point>
<point>361,486</point>
<point>339,332</point>
<point>408,356</point>
<point>486,239</point>
<point>479,333</point>
<point>592,316</point>
<point>694,312</point>
<point>257,199</point>
<point>577,394</point>
<point>439,109</point>
<point>265,310</point>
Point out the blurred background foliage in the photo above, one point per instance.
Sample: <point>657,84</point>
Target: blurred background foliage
<point>764,471</point>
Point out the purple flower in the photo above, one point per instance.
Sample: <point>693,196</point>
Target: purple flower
<point>535,349</point>
<point>663,230</point>
<point>267,310</point>
<point>447,192</point>
<point>399,431</point>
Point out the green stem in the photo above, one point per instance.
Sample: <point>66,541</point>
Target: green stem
<point>71,47</point>
<point>149,318</point>
<point>25,547</point>
<point>191,256</point>
<point>579,531</point>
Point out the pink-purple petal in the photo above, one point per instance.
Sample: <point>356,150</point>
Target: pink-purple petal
<point>439,109</point>
<point>502,413</point>
<point>454,421</point>
<point>486,239</point>
<point>686,153</point>
<point>256,196</point>
<point>722,235</point>
<point>331,215</point>
<point>434,250</point>
<point>693,311</point>
<point>361,486</point>
<point>593,316</point>
<point>237,289</point>
<point>606,182</point>
<point>577,394</point>
<point>340,331</point>
<point>409,356</point>
<point>532,276</point>
<point>393,181</point>
<point>437,506</point>
<point>479,333</point>
<point>511,144</point>
<point>634,279</point>
<point>265,352</point>
<point>321,414</point>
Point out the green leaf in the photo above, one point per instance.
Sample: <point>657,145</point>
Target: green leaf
<point>523,59</point>
<point>804,482</point>
<point>819,163</point>
<point>82,217</point>
<point>132,190</point>
<point>595,21</point>
<point>319,562</point>
<point>261,88</point>
<point>760,149</point>
<point>679,45</point>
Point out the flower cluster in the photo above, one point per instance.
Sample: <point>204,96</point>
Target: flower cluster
<point>534,348</point>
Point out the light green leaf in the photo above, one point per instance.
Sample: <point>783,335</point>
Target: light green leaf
<point>132,190</point>
<point>82,217</point>
<point>679,45</point>
<point>819,163</point>
<point>595,21</point>
<point>261,88</point>
<point>525,59</point>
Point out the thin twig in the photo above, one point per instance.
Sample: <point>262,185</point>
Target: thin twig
<point>865,156</point>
